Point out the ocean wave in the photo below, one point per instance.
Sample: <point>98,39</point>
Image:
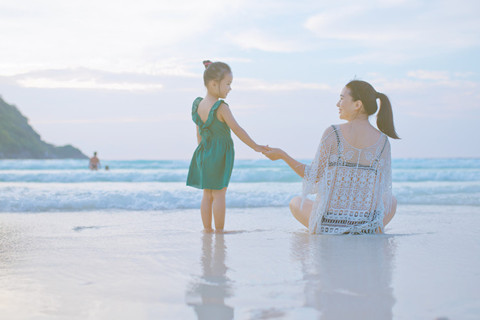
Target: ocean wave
<point>262,174</point>
<point>437,175</point>
<point>72,164</point>
<point>66,185</point>
<point>126,196</point>
<point>40,197</point>
<point>436,163</point>
<point>162,175</point>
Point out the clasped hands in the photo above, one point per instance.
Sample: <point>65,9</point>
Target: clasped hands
<point>269,152</point>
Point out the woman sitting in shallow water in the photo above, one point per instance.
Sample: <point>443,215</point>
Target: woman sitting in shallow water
<point>351,173</point>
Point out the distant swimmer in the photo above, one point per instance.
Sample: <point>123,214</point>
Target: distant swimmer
<point>94,162</point>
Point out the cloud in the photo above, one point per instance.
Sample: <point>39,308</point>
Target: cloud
<point>374,56</point>
<point>429,75</point>
<point>467,74</point>
<point>82,78</point>
<point>247,84</point>
<point>394,2</point>
<point>326,24</point>
<point>86,84</point>
<point>100,34</point>
<point>405,28</point>
<point>260,40</point>
<point>435,80</point>
<point>430,95</point>
<point>113,120</point>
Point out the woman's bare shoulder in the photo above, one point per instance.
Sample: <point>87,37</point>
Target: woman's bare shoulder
<point>329,131</point>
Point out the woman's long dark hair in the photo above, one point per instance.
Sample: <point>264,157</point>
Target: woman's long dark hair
<point>363,91</point>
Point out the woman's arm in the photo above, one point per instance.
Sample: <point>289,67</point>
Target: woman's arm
<point>277,153</point>
<point>226,115</point>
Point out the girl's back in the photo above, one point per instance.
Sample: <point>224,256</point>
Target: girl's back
<point>204,108</point>
<point>212,161</point>
<point>205,116</point>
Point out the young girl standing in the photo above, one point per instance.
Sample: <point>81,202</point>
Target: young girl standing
<point>212,161</point>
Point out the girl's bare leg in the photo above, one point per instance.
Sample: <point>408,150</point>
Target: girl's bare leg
<point>206,210</point>
<point>219,208</point>
<point>301,214</point>
<point>389,216</point>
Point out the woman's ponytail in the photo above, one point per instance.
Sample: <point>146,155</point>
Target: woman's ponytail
<point>363,91</point>
<point>385,117</point>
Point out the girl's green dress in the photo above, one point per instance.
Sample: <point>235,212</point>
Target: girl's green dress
<point>212,161</point>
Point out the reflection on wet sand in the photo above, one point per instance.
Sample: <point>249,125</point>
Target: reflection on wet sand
<point>347,277</point>
<point>10,246</point>
<point>208,293</point>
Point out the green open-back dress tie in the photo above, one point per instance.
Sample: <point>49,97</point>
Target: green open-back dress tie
<point>212,161</point>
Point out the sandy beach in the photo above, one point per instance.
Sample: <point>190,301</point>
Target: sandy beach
<point>159,265</point>
<point>113,113</point>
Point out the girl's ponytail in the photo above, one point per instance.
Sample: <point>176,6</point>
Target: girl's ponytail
<point>385,116</point>
<point>206,63</point>
<point>215,71</point>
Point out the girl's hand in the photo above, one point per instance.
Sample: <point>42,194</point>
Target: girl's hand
<point>274,153</point>
<point>260,148</point>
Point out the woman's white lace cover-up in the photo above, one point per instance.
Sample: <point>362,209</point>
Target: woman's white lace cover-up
<point>353,186</point>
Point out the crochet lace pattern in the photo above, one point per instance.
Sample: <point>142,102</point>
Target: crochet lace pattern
<point>353,187</point>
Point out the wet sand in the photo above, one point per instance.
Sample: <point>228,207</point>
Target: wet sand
<point>159,265</point>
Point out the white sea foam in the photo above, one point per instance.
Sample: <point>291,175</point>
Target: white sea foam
<point>39,197</point>
<point>65,185</point>
<point>251,174</point>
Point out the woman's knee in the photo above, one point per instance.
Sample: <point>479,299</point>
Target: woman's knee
<point>295,204</point>
<point>393,207</point>
<point>299,212</point>
<point>389,215</point>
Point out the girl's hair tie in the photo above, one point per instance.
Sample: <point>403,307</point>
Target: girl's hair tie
<point>206,63</point>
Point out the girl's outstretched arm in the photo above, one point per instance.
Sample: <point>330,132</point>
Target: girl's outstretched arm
<point>277,153</point>
<point>226,115</point>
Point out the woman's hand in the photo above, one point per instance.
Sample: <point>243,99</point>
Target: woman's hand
<point>277,153</point>
<point>260,148</point>
<point>274,153</point>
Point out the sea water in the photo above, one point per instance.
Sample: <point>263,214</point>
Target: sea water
<point>145,185</point>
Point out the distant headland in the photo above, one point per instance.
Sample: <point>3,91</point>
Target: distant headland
<point>18,140</point>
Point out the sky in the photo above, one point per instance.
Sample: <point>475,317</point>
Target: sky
<point>119,77</point>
